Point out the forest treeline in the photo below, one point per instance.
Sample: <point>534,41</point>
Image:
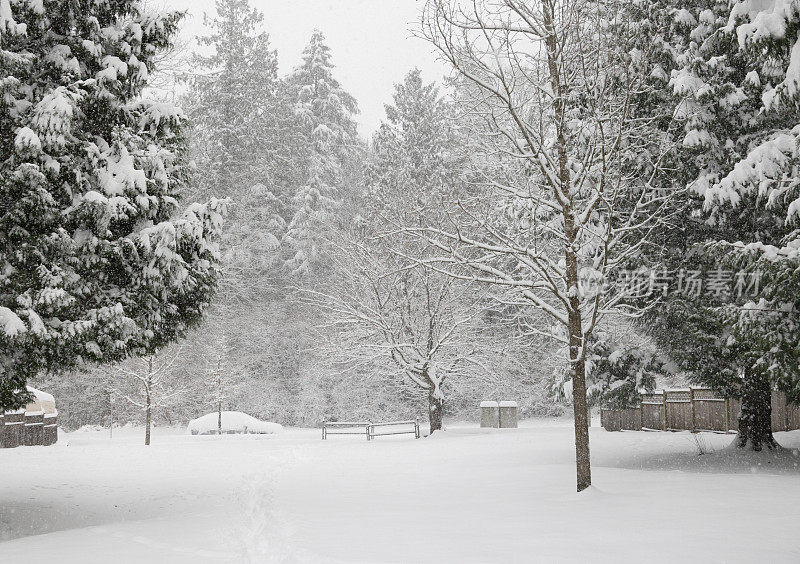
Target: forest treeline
<point>600,198</point>
<point>305,239</point>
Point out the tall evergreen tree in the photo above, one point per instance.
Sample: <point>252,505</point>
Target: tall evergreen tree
<point>737,79</point>
<point>326,112</point>
<point>244,129</point>
<point>415,149</point>
<point>381,303</point>
<point>96,260</point>
<point>249,145</point>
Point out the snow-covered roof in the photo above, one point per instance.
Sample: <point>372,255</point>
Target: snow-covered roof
<point>40,395</point>
<point>43,403</point>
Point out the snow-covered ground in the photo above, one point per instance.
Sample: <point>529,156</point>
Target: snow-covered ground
<point>466,495</point>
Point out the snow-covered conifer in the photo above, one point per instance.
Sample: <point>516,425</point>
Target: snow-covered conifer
<point>739,89</point>
<point>326,112</point>
<point>243,128</point>
<point>97,259</point>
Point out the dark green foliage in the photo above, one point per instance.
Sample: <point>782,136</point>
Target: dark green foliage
<point>96,261</point>
<point>618,375</point>
<point>733,100</point>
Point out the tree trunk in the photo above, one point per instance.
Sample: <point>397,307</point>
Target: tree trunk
<point>579,406</point>
<point>577,356</point>
<point>435,411</point>
<point>111,414</point>
<point>563,192</point>
<point>219,392</point>
<point>147,419</point>
<point>755,418</point>
<point>148,404</point>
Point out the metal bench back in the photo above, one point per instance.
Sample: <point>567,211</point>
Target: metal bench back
<point>345,428</point>
<point>391,428</point>
<point>370,430</point>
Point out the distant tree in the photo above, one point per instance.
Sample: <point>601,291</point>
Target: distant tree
<point>249,145</point>
<point>244,130</point>
<point>97,260</point>
<point>326,112</point>
<point>430,326</point>
<point>221,383</point>
<point>246,143</point>
<point>155,385</point>
<point>415,151</point>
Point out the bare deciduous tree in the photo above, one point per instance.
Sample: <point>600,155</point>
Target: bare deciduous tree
<point>153,376</point>
<point>431,326</point>
<point>567,163</point>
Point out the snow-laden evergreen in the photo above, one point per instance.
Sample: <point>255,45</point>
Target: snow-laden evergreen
<point>740,106</point>
<point>242,127</point>
<point>739,79</point>
<point>326,113</point>
<point>99,260</point>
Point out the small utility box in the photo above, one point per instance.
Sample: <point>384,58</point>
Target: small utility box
<point>490,414</point>
<point>508,414</point>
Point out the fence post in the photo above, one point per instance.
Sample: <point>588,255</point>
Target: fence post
<point>727,417</point>
<point>691,400</point>
<point>664,421</point>
<point>786,411</point>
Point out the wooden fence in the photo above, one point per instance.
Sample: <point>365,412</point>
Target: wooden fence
<point>693,409</point>
<point>35,424</point>
<point>20,428</point>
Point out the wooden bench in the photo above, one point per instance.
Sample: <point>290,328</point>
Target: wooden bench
<point>370,430</point>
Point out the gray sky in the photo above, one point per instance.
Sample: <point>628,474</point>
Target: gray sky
<point>370,39</point>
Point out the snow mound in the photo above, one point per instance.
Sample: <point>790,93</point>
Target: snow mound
<point>232,422</point>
